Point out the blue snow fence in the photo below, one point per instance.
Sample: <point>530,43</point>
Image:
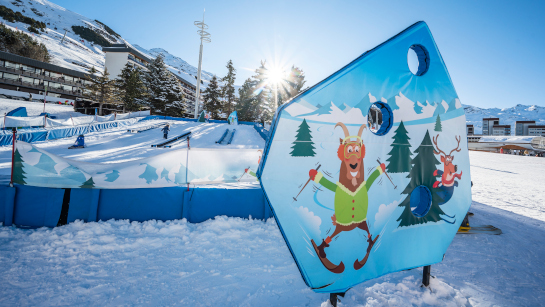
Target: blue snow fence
<point>67,132</point>
<point>264,133</point>
<point>33,207</point>
<point>141,204</point>
<point>37,207</point>
<point>6,136</point>
<point>19,112</point>
<point>202,203</point>
<point>7,202</point>
<point>83,205</point>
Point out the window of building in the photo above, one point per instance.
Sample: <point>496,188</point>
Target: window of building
<point>67,87</point>
<point>28,80</point>
<point>12,65</point>
<point>55,85</point>
<point>55,75</point>
<point>38,82</point>
<point>46,73</point>
<point>68,78</point>
<point>11,76</point>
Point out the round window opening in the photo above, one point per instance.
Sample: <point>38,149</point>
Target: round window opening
<point>380,118</point>
<point>418,60</point>
<point>420,201</point>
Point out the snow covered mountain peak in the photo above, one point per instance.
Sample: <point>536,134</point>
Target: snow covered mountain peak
<point>80,53</point>
<point>507,116</point>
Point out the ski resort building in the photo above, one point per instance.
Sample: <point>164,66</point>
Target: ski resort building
<point>501,130</point>
<point>118,55</point>
<point>521,126</point>
<point>20,75</point>
<point>488,124</point>
<point>536,130</point>
<point>470,130</point>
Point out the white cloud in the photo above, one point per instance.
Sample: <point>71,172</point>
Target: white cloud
<point>384,212</point>
<point>310,222</point>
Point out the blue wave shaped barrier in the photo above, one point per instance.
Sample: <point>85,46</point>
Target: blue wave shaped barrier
<point>40,134</point>
<point>33,207</point>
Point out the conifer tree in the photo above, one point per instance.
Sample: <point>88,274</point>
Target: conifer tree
<point>101,87</point>
<point>130,88</point>
<point>165,96</point>
<point>421,174</point>
<point>303,145</point>
<point>247,107</point>
<point>400,154</point>
<point>18,168</point>
<point>263,94</point>
<point>89,184</point>
<point>175,97</point>
<point>211,96</point>
<point>438,126</point>
<point>228,89</point>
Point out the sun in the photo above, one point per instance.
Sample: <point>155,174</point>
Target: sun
<point>275,75</point>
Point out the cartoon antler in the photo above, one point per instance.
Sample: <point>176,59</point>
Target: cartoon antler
<point>434,139</point>
<point>345,130</point>
<point>457,149</point>
<point>361,130</point>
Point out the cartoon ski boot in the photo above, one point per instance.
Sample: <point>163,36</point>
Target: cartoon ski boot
<point>321,248</point>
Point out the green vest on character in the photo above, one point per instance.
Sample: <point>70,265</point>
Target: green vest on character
<point>350,207</point>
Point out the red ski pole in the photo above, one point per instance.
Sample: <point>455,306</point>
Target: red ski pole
<point>295,198</point>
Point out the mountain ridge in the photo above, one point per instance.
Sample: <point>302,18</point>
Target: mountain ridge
<point>78,53</point>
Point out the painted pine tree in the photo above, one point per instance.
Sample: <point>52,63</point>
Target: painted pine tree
<point>438,126</point>
<point>89,184</point>
<point>201,118</point>
<point>18,169</point>
<point>303,145</point>
<point>400,155</point>
<point>421,174</point>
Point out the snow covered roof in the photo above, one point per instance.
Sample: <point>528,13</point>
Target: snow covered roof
<point>126,48</point>
<point>507,139</point>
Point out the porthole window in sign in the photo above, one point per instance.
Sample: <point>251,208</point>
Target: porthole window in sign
<point>420,201</point>
<point>380,118</point>
<point>418,60</point>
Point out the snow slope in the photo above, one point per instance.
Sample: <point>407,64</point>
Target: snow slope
<point>507,116</point>
<point>118,145</point>
<point>36,108</point>
<point>240,262</point>
<point>77,53</point>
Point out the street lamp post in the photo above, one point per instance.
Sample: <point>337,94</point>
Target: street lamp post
<point>205,37</point>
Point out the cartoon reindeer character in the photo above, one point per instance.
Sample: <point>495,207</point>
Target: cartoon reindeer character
<point>448,174</point>
<point>350,195</point>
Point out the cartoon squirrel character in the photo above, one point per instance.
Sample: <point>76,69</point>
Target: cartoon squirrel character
<point>351,200</point>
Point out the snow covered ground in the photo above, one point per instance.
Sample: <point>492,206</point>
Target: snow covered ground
<point>238,262</point>
<point>36,108</point>
<point>118,145</point>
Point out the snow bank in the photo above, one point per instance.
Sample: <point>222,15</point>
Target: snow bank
<point>36,108</point>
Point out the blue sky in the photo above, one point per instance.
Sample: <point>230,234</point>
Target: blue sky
<point>494,50</point>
